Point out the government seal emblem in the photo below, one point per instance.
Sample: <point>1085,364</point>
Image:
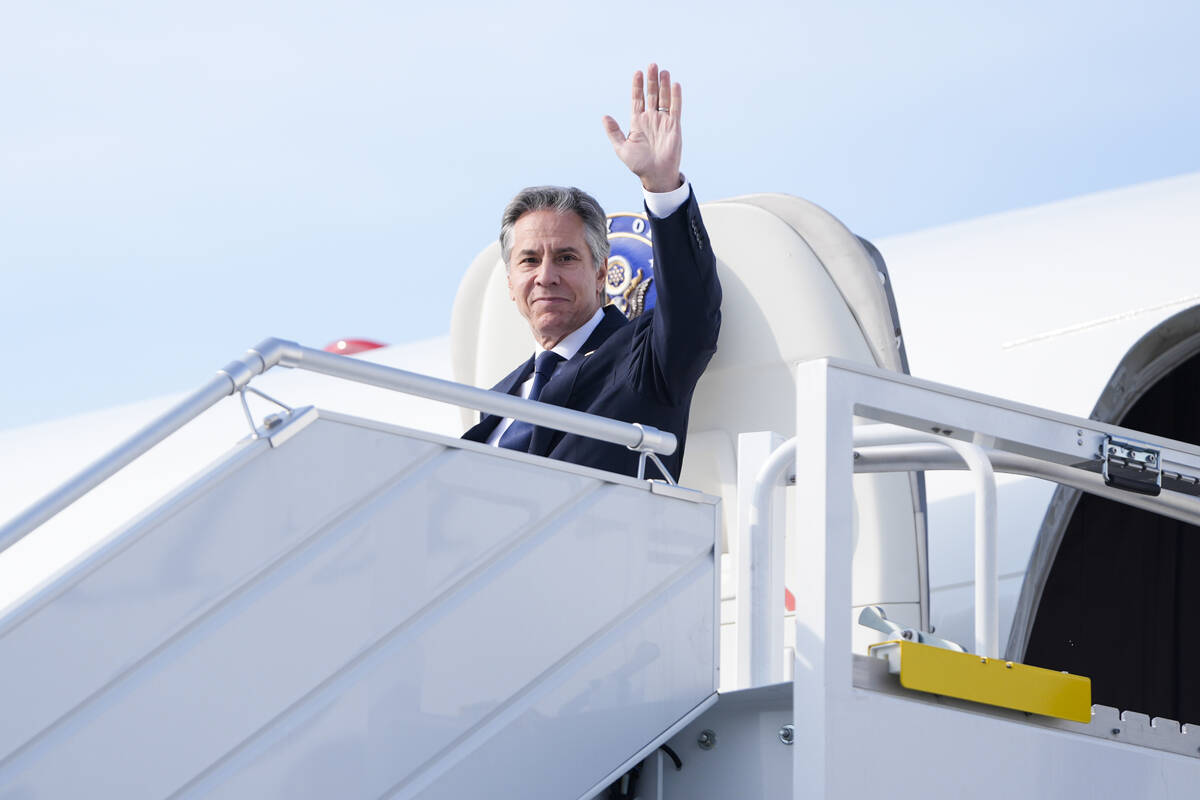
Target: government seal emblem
<point>629,284</point>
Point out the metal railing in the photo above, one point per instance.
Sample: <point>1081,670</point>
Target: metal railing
<point>987,584</point>
<point>236,375</point>
<point>760,623</point>
<point>1036,443</point>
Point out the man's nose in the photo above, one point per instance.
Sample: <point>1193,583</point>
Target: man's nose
<point>548,271</point>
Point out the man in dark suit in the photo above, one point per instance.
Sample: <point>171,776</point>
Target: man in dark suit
<point>555,247</point>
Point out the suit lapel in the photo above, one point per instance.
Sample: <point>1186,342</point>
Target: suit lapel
<point>508,384</point>
<point>613,321</point>
<point>561,387</point>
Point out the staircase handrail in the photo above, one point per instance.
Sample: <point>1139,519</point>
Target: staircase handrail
<point>236,375</point>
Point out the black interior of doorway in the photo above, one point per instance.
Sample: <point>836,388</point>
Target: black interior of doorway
<point>1122,602</point>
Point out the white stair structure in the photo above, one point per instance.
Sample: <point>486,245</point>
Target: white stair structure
<point>345,608</point>
<point>341,608</point>
<point>844,727</point>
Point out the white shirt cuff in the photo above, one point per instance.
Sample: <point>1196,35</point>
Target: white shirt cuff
<point>664,204</point>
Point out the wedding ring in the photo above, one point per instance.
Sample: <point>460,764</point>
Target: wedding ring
<point>660,108</point>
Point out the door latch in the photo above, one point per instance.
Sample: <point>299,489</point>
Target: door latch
<point>1132,466</point>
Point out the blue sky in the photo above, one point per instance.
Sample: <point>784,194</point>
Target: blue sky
<point>178,183</point>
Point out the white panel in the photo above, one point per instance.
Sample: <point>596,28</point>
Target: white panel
<point>748,761</point>
<point>980,755</point>
<point>355,613</point>
<point>100,617</point>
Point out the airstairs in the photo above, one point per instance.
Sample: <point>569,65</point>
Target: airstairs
<point>344,608</point>
<point>341,608</point>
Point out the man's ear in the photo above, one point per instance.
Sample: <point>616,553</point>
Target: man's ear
<point>508,280</point>
<point>601,276</point>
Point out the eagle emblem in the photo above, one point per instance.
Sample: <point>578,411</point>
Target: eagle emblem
<point>629,283</point>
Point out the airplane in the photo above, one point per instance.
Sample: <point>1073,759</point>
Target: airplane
<point>1081,315</point>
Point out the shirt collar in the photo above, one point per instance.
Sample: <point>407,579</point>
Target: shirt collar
<point>574,340</point>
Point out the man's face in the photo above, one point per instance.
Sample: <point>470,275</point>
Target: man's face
<point>551,274</point>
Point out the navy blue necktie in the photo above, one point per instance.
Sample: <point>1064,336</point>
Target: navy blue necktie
<point>520,433</point>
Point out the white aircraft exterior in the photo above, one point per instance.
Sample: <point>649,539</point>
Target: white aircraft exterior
<point>1077,307</point>
<point>1046,306</point>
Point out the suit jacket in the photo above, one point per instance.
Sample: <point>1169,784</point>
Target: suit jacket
<point>640,371</point>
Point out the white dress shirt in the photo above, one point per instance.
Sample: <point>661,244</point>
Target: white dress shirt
<point>661,205</point>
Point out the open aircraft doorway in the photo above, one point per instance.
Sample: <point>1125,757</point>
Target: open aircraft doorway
<point>1120,601</point>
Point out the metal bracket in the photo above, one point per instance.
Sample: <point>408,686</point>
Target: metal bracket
<point>646,450</point>
<point>282,427</point>
<point>1131,466</point>
<point>271,421</point>
<point>641,473</point>
<point>873,617</point>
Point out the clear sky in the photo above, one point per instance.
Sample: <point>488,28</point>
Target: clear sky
<point>179,183</point>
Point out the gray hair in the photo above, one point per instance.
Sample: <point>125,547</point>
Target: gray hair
<point>561,199</point>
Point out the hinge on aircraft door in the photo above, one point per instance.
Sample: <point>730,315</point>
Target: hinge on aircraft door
<point>1132,466</point>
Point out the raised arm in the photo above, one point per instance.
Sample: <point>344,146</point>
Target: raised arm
<point>674,342</point>
<point>654,146</point>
